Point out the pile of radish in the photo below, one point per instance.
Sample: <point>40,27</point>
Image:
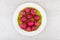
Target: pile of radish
<point>29,20</point>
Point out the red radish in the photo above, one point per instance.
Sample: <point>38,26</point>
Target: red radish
<point>30,23</point>
<point>33,11</point>
<point>29,16</point>
<point>23,25</point>
<point>34,28</point>
<point>37,23</point>
<point>28,29</point>
<point>27,9</point>
<point>23,18</point>
<point>22,12</point>
<point>36,17</point>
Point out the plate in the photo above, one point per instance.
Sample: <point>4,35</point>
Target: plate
<point>15,16</point>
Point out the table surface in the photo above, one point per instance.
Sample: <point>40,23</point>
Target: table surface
<point>51,31</point>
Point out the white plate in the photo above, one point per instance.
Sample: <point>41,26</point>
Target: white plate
<point>15,16</point>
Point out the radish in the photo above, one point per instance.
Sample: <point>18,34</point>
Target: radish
<point>33,11</point>
<point>36,17</point>
<point>37,23</point>
<point>27,9</point>
<point>28,29</point>
<point>23,25</point>
<point>29,16</point>
<point>30,23</point>
<point>22,12</point>
<point>34,28</point>
<point>23,19</point>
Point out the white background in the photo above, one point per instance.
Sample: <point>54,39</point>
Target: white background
<point>52,30</point>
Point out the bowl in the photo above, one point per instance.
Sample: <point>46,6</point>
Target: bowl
<point>41,27</point>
